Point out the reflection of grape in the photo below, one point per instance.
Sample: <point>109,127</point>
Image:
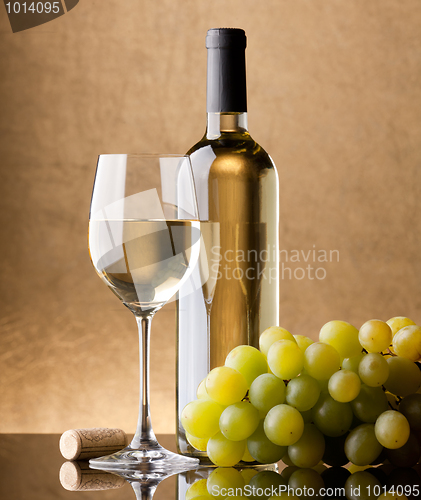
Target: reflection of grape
<point>392,429</point>
<point>271,335</point>
<point>321,361</point>
<point>267,391</point>
<point>197,489</point>
<point>306,478</point>
<point>342,336</point>
<point>239,421</point>
<point>344,386</point>
<point>302,392</point>
<point>225,477</point>
<point>373,370</point>
<point>375,335</point>
<point>285,359</point>
<point>361,486</point>
<point>248,360</point>
<point>283,425</point>
<point>226,385</point>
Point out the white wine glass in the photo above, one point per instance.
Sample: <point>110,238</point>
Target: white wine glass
<point>144,240</point>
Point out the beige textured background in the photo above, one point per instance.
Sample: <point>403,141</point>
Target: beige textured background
<point>334,96</point>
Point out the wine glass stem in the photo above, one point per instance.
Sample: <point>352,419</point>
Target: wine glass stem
<point>144,433</point>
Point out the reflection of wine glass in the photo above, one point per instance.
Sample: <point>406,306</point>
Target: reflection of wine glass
<point>144,239</point>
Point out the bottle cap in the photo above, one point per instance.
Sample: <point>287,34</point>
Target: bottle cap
<point>226,38</point>
<point>81,444</point>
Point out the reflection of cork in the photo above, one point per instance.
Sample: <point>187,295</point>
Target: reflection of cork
<point>77,476</point>
<point>81,444</point>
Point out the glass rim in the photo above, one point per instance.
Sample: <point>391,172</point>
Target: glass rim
<point>147,155</point>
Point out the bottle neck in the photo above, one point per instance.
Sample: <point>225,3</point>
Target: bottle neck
<point>220,123</point>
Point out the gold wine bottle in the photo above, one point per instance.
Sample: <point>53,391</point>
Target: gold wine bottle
<point>237,192</point>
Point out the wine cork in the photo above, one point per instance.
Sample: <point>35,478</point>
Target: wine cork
<point>81,444</point>
<point>77,476</point>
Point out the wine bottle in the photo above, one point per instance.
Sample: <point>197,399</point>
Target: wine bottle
<point>237,193</point>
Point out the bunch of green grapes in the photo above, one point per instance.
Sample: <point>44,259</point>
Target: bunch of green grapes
<point>351,396</point>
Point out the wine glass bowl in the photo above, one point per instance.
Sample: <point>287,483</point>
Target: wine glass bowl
<point>144,241</point>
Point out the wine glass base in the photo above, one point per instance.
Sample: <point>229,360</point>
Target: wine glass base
<point>153,459</point>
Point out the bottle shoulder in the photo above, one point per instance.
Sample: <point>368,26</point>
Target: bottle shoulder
<point>233,149</point>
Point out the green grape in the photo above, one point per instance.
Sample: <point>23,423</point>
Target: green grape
<point>331,417</point>
<point>407,342</point>
<point>375,335</point>
<point>404,376</point>
<point>342,336</point>
<point>302,392</point>
<point>247,456</point>
<point>373,369</point>
<point>303,341</point>
<point>201,392</point>
<point>362,485</point>
<point>392,429</point>
<point>239,421</point>
<point>248,473</point>
<point>271,335</point>
<point>410,406</point>
<point>344,386</point>
<point>306,483</point>
<point>267,391</point>
<point>353,363</point>
<point>369,404</point>
<point>307,416</point>
<point>285,359</point>
<point>321,361</point>
<point>398,322</point>
<point>309,449</point>
<point>283,425</point>
<point>223,452</point>
<point>224,478</point>
<point>407,455</point>
<point>198,443</point>
<point>197,489</point>
<point>361,445</point>
<point>247,360</point>
<point>226,386</point>
<point>200,418</point>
